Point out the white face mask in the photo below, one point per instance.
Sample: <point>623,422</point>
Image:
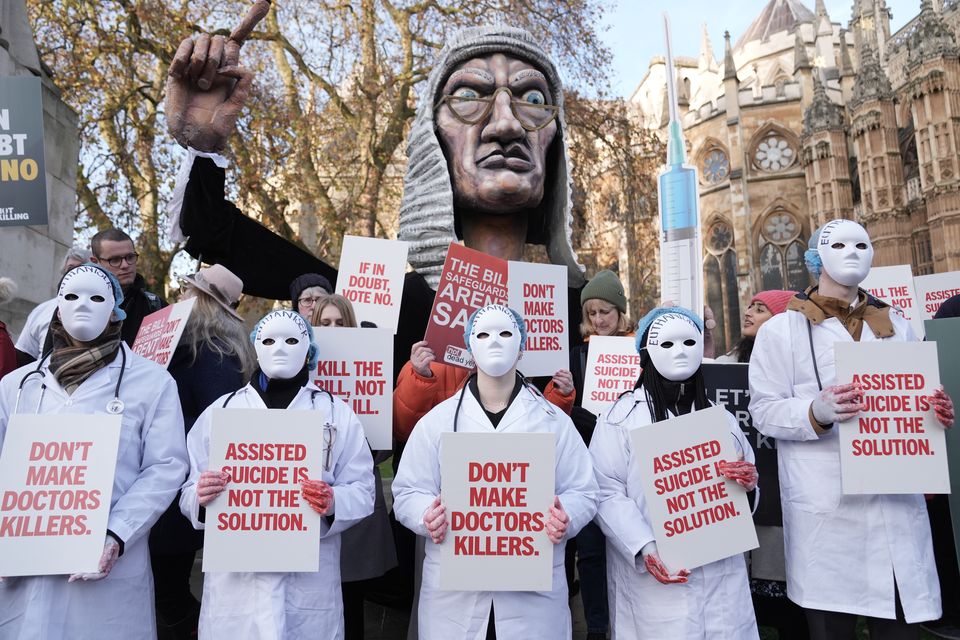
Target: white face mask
<point>846,252</point>
<point>495,340</point>
<point>675,346</point>
<point>85,302</point>
<point>282,343</point>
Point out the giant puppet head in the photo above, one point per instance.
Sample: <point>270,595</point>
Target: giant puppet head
<point>488,137</point>
<point>284,343</point>
<point>495,336</point>
<point>841,249</point>
<point>88,300</point>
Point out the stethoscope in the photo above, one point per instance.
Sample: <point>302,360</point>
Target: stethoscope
<point>329,428</point>
<point>546,404</point>
<point>114,406</point>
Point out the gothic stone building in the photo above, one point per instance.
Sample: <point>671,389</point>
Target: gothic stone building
<point>805,121</point>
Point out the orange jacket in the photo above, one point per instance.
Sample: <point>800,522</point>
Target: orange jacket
<point>416,395</point>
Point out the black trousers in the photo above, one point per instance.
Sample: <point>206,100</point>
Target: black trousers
<point>832,625</point>
<point>178,612</point>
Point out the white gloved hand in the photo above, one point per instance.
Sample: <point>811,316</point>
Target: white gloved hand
<point>111,551</point>
<point>837,403</point>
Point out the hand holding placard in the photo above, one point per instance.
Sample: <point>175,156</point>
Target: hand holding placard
<point>742,472</point>
<point>838,403</point>
<point>435,519</point>
<point>421,355</point>
<point>318,495</point>
<point>557,523</point>
<point>943,407</point>
<point>210,485</point>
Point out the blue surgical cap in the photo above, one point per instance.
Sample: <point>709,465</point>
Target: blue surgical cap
<point>653,314</point>
<point>812,256</point>
<point>114,284</point>
<point>516,316</point>
<point>313,353</point>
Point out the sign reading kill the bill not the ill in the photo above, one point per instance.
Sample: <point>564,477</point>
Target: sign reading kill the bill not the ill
<point>261,523</point>
<point>23,187</point>
<point>469,280</point>
<point>613,366</point>
<point>497,489</point>
<point>161,331</point>
<point>934,289</point>
<point>728,384</point>
<point>894,285</point>
<point>371,278</point>
<point>539,293</point>
<point>697,515</point>
<point>356,365</point>
<point>896,445</point>
<point>56,483</point>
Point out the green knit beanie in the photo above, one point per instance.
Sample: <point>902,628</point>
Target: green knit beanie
<point>605,286</point>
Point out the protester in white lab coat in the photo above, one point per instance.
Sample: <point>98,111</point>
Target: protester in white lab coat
<point>90,371</point>
<point>842,551</point>
<point>287,606</point>
<point>495,400</point>
<point>648,599</point>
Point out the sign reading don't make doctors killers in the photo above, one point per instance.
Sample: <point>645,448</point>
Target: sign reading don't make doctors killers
<point>23,190</point>
<point>896,444</point>
<point>260,522</point>
<point>696,514</point>
<point>56,481</point>
<point>497,489</point>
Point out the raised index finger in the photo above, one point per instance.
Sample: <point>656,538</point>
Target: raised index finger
<point>254,15</point>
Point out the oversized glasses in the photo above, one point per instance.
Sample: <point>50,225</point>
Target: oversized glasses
<point>531,116</point>
<point>130,258</point>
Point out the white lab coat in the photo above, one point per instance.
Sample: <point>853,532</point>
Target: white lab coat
<point>151,465</point>
<point>715,602</point>
<point>34,331</point>
<point>457,615</point>
<point>841,550</point>
<point>286,606</point>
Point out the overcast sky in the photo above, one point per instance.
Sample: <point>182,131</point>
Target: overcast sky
<point>635,29</point>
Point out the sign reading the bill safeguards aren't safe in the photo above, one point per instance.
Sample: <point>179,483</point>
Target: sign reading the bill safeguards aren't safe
<point>261,522</point>
<point>539,293</point>
<point>497,489</point>
<point>469,280</point>
<point>23,188</point>
<point>371,277</point>
<point>697,515</point>
<point>896,445</point>
<point>894,285</point>
<point>160,332</point>
<point>356,366</point>
<point>56,482</point>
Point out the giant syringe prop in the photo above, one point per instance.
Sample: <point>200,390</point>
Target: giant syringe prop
<point>681,253</point>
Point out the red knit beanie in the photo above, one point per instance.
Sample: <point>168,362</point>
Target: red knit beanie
<point>775,299</point>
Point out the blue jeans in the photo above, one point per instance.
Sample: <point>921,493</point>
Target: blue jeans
<point>592,567</point>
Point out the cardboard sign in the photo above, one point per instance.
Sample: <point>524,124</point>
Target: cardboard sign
<point>357,366</point>
<point>894,285</point>
<point>56,482</point>
<point>613,366</point>
<point>371,277</point>
<point>897,445</point>
<point>697,515</point>
<point>728,385</point>
<point>497,488</point>
<point>945,333</point>
<point>23,183</point>
<point>470,280</point>
<point>161,331</point>
<point>933,290</point>
<point>539,293</point>
<point>261,522</point>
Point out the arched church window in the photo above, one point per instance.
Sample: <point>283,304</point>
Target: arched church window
<point>774,153</point>
<point>781,252</point>
<point>715,167</point>
<point>720,282</point>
